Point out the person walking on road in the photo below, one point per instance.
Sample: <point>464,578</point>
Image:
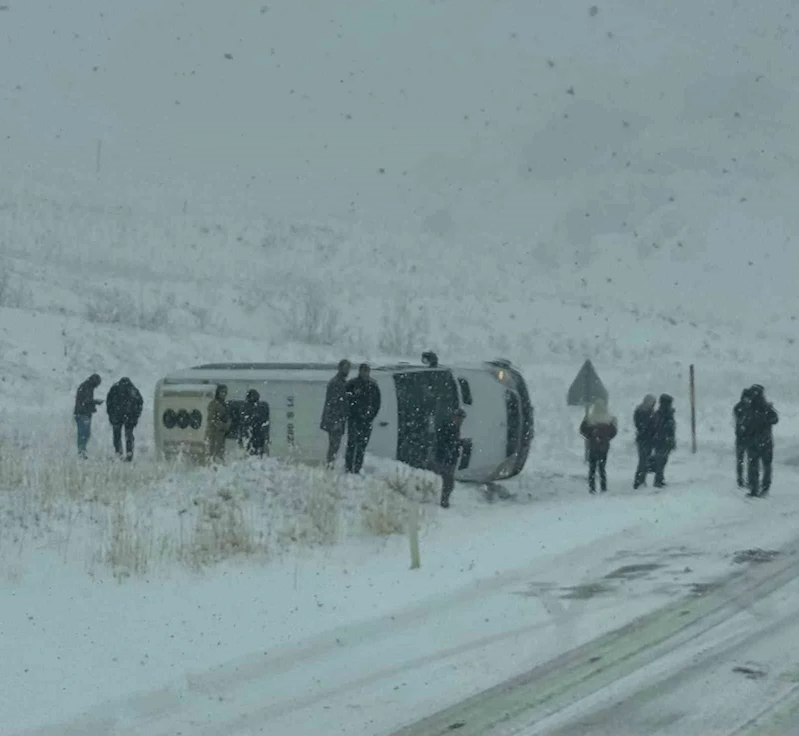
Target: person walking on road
<point>334,413</point>
<point>363,404</point>
<point>124,405</point>
<point>759,439</point>
<point>740,412</point>
<point>664,437</point>
<point>643,419</point>
<point>85,406</point>
<point>598,428</point>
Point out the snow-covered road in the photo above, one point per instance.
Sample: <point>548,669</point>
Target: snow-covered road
<point>485,609</point>
<point>720,663</point>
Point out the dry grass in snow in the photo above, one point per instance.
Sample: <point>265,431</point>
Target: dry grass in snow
<point>144,517</point>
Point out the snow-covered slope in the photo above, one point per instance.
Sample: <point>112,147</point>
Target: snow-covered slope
<point>537,179</point>
<point>295,179</point>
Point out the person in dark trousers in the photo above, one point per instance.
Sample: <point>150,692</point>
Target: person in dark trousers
<point>739,413</point>
<point>643,419</point>
<point>85,406</point>
<point>254,424</point>
<point>124,405</point>
<point>448,446</point>
<point>598,428</point>
<point>759,440</point>
<point>363,404</point>
<point>334,413</point>
<point>664,437</point>
<point>219,423</point>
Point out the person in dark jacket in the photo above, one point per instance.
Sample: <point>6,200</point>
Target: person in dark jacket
<point>218,424</point>
<point>124,405</point>
<point>447,450</point>
<point>739,413</point>
<point>85,406</point>
<point>598,428</point>
<point>363,404</point>
<point>643,419</point>
<point>254,424</point>
<point>759,440</point>
<point>334,413</point>
<point>664,437</point>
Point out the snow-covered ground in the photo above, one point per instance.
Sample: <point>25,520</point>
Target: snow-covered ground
<point>299,180</point>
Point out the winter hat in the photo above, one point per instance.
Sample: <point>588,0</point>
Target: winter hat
<point>649,401</point>
<point>253,395</point>
<point>599,413</point>
<point>666,400</point>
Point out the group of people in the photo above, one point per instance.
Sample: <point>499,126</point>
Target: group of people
<point>754,419</point>
<point>655,439</point>
<point>351,406</point>
<point>124,405</point>
<point>252,431</point>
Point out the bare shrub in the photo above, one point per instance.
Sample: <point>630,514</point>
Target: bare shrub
<point>221,531</point>
<point>129,549</point>
<point>404,330</point>
<point>112,306</point>
<point>311,318</point>
<point>387,508</point>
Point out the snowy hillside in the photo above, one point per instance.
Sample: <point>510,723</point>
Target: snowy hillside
<point>309,179</point>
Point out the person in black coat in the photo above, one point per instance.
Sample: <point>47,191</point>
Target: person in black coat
<point>254,424</point>
<point>759,440</point>
<point>363,404</point>
<point>448,446</point>
<point>124,405</point>
<point>643,419</point>
<point>85,406</point>
<point>664,437</point>
<point>334,413</point>
<point>739,413</point>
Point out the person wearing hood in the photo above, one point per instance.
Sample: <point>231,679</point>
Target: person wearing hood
<point>254,424</point>
<point>643,419</point>
<point>85,406</point>
<point>124,405</point>
<point>664,437</point>
<point>598,428</point>
<point>759,440</point>
<point>219,423</point>
<point>740,412</point>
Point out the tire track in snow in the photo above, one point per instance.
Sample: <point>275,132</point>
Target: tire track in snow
<point>581,673</point>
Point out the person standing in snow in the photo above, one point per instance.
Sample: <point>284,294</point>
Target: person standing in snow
<point>363,404</point>
<point>759,440</point>
<point>643,419</point>
<point>219,422</point>
<point>254,424</point>
<point>447,451</point>
<point>739,414</point>
<point>598,428</point>
<point>334,413</point>
<point>664,437</point>
<point>85,406</point>
<point>124,405</point>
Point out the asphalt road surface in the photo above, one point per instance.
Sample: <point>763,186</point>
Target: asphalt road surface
<point>720,663</point>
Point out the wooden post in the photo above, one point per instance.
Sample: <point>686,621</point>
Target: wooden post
<point>692,381</point>
<point>413,534</point>
<point>99,154</point>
